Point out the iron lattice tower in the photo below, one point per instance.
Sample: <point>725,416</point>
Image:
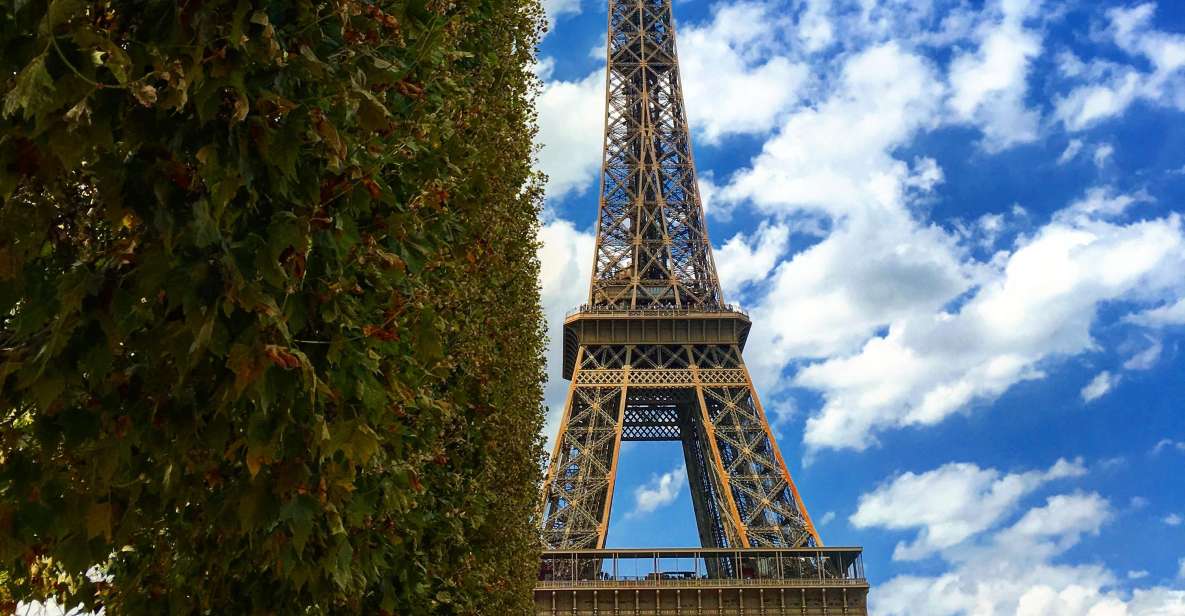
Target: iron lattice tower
<point>656,354</point>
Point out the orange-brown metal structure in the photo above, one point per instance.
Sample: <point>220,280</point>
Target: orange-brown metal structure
<point>767,581</point>
<point>656,353</point>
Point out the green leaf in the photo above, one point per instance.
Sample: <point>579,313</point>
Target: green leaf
<point>372,113</point>
<point>98,521</point>
<point>299,512</point>
<point>428,346</point>
<point>32,91</point>
<point>60,11</point>
<point>364,443</point>
<point>253,506</point>
<point>46,391</point>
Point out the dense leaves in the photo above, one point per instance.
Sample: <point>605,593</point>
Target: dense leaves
<point>270,339</point>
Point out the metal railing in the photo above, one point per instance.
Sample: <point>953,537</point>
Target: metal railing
<point>701,567</point>
<point>656,310</point>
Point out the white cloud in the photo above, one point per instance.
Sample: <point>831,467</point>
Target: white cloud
<point>600,52</point>
<point>951,503</point>
<point>827,518</point>
<point>829,298</point>
<point>1102,154</point>
<point>1161,316</point>
<point>741,261</point>
<point>1168,443</point>
<point>1146,359</point>
<point>1038,303</point>
<point>1173,519</point>
<point>1088,105</point>
<point>878,269</point>
<point>1099,386</point>
<point>1137,575</point>
<point>1055,527</point>
<point>1114,87</point>
<point>989,85</point>
<point>736,79</point>
<point>660,491</point>
<point>885,95</point>
<point>1101,202</point>
<point>554,9</point>
<point>543,67</point>
<point>571,131</point>
<point>1006,567</point>
<point>877,262</point>
<point>1071,151</point>
<point>814,28</point>
<point>707,197</point>
<point>565,257</point>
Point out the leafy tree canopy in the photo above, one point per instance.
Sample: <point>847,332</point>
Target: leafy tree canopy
<point>270,339</point>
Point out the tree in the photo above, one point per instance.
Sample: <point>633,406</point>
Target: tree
<point>270,336</point>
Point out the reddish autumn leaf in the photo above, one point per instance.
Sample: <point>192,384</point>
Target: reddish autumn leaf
<point>372,187</point>
<point>281,357</point>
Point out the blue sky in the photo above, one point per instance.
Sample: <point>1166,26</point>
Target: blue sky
<point>957,227</point>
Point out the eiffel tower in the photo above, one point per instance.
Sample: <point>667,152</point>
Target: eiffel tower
<point>655,355</point>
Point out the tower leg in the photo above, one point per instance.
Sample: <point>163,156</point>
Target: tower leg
<point>578,489</point>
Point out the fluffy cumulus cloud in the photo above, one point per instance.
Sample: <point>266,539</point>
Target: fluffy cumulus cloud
<point>909,327</point>
<point>1034,303</point>
<point>990,83</point>
<point>565,257</point>
<point>951,503</point>
<point>998,562</point>
<point>571,123</point>
<point>745,260</point>
<point>876,260</point>
<point>659,492</point>
<point>885,95</point>
<point>1155,73</point>
<point>736,77</point>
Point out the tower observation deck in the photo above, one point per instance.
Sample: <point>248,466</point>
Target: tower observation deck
<point>655,355</point>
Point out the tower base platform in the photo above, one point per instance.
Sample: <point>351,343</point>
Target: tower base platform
<point>703,582</point>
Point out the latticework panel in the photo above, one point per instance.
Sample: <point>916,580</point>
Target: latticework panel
<point>652,246</point>
<point>760,485</point>
<point>708,356</point>
<point>742,493</point>
<point>577,493</point>
<point>651,422</point>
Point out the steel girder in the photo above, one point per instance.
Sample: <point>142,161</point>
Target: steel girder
<point>653,267</point>
<point>652,245</point>
<point>741,491</point>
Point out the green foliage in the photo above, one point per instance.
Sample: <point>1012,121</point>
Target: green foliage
<point>270,340</point>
